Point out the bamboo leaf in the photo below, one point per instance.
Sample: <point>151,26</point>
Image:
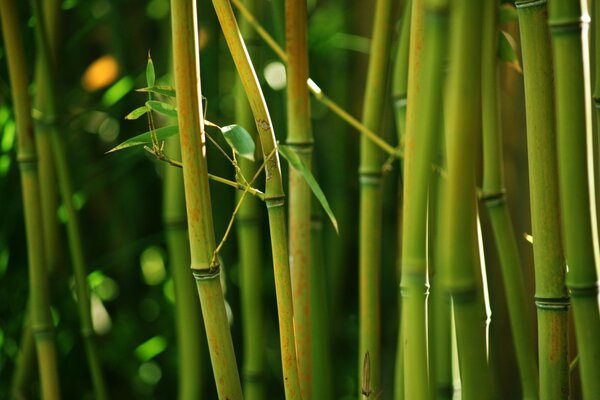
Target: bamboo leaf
<point>507,14</point>
<point>296,163</point>
<point>507,51</point>
<point>146,138</point>
<point>138,112</point>
<point>162,108</point>
<point>240,140</point>
<point>150,76</point>
<point>168,91</point>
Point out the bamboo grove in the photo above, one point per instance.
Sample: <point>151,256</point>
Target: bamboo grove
<point>320,199</point>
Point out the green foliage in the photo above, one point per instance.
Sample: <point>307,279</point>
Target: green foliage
<point>146,137</point>
<point>507,50</point>
<point>240,140</point>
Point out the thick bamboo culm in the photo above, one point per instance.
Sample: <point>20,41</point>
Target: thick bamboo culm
<point>274,196</point>
<point>299,137</point>
<point>568,23</point>
<point>197,196</point>
<point>191,342</point>
<point>460,255</point>
<point>551,296</point>
<point>252,260</point>
<point>41,320</point>
<point>47,114</point>
<point>370,175</point>
<point>494,199</point>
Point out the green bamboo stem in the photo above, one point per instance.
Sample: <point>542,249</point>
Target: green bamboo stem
<point>46,112</point>
<point>313,87</point>
<point>251,258</point>
<point>41,320</point>
<point>460,250</point>
<point>370,173</point>
<point>494,199</point>
<point>568,25</point>
<point>596,93</point>
<point>190,329</point>
<point>552,298</point>
<point>22,377</point>
<point>197,196</point>
<point>274,196</point>
<point>299,137</point>
<point>426,73</point>
<point>399,90</point>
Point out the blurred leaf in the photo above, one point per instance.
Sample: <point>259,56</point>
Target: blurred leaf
<point>150,75</point>
<point>138,112</point>
<point>296,162</point>
<point>151,348</point>
<point>162,108</point>
<point>117,91</point>
<point>164,90</point>
<point>240,140</point>
<point>507,14</point>
<point>146,138</point>
<point>507,51</point>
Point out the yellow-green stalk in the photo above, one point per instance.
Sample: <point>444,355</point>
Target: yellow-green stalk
<point>551,296</point>
<point>205,267</point>
<point>41,320</point>
<point>494,199</point>
<point>370,176</point>
<point>299,137</point>
<point>460,254</point>
<point>274,196</point>
<point>568,21</point>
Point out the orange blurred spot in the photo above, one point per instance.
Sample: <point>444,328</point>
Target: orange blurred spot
<point>202,38</point>
<point>100,73</point>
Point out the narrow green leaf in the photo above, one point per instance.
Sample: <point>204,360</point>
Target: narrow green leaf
<point>150,76</point>
<point>145,138</point>
<point>296,162</point>
<point>138,112</point>
<point>162,108</point>
<point>240,140</point>
<point>508,13</point>
<point>168,91</point>
<point>151,348</point>
<point>507,51</point>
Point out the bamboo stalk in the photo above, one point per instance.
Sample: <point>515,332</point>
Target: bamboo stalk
<point>552,298</point>
<point>370,208</point>
<point>299,137</point>
<point>251,258</point>
<point>41,320</point>
<point>195,176</point>
<point>568,21</point>
<point>190,329</point>
<point>460,250</point>
<point>399,91</point>
<point>494,199</point>
<point>426,73</point>
<point>46,111</point>
<point>274,196</point>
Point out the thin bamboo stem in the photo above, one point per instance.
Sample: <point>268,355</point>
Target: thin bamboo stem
<point>494,199</point>
<point>299,137</point>
<point>460,251</point>
<point>251,258</point>
<point>551,296</point>
<point>195,176</point>
<point>41,320</point>
<point>370,208</point>
<point>274,196</point>
<point>568,21</point>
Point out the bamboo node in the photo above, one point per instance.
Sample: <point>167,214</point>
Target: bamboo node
<point>207,274</point>
<point>493,198</point>
<point>42,332</point>
<point>253,376</point>
<point>530,3</point>
<point>27,159</point>
<point>552,303</point>
<point>568,24</point>
<point>275,201</point>
<point>370,177</point>
<point>584,290</point>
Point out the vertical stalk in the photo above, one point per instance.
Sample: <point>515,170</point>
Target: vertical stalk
<point>41,320</point>
<point>551,296</point>
<point>568,22</point>
<point>460,250</point>
<point>596,94</point>
<point>190,330</point>
<point>370,177</point>
<point>424,98</point>
<point>46,113</point>
<point>249,230</point>
<point>274,196</point>
<point>197,195</point>
<point>494,199</point>
<point>399,89</point>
